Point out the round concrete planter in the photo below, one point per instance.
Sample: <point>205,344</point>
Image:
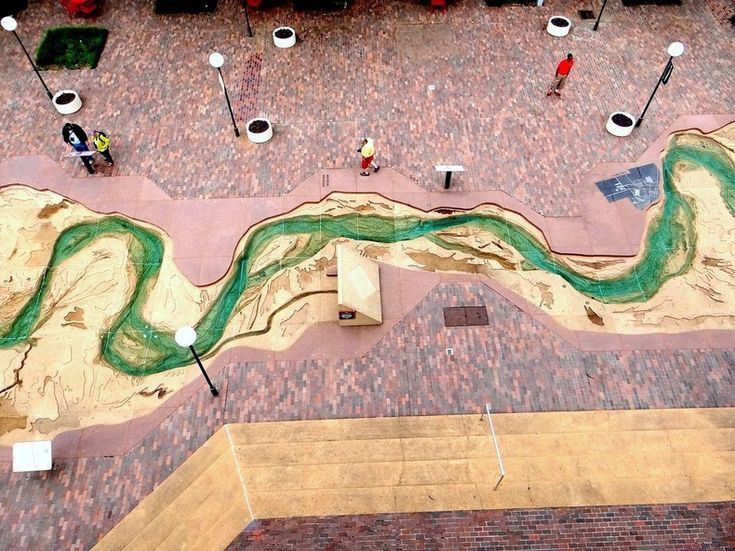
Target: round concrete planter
<point>558,26</point>
<point>620,124</point>
<point>67,102</point>
<point>284,37</point>
<point>259,135</point>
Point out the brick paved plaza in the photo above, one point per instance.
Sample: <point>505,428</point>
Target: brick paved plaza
<point>466,86</point>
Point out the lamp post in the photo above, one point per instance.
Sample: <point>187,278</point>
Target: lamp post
<point>675,49</point>
<point>216,60</point>
<point>10,24</point>
<point>247,18</point>
<point>185,336</point>
<point>602,9</point>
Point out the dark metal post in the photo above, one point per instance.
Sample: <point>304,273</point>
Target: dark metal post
<point>669,67</point>
<point>447,179</point>
<point>602,9</point>
<point>229,106</point>
<point>50,95</point>
<point>247,20</point>
<point>199,362</point>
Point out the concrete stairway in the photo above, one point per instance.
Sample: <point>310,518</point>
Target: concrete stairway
<point>413,464</point>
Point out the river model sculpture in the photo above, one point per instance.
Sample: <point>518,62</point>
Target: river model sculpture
<point>89,303</point>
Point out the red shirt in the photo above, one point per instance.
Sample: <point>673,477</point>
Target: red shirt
<point>564,67</point>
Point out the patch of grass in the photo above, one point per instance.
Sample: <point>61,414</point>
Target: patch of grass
<point>71,47</point>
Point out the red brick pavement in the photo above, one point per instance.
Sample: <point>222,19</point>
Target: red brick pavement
<point>368,71</point>
<point>515,363</point>
<point>663,527</point>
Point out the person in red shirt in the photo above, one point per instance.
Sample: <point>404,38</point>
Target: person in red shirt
<point>562,72</point>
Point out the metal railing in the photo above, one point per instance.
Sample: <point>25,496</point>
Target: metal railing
<point>497,448</point>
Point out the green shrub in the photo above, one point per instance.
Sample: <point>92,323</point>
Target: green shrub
<point>184,6</point>
<point>71,47</point>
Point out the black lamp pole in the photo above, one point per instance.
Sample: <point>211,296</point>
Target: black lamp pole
<point>229,106</point>
<point>199,363</point>
<point>247,20</point>
<point>663,79</point>
<point>13,23</point>
<point>602,9</point>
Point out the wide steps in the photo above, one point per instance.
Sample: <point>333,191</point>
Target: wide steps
<point>417,464</point>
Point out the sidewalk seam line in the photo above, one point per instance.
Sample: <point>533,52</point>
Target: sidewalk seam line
<point>239,473</point>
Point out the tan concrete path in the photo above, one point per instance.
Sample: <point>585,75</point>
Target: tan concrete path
<point>416,464</point>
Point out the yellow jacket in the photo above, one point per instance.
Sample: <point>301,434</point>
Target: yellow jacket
<point>368,150</point>
<point>101,141</point>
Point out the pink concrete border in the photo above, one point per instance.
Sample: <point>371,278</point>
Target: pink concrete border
<point>140,198</point>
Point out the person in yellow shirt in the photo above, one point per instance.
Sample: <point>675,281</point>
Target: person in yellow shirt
<point>102,145</point>
<point>367,150</point>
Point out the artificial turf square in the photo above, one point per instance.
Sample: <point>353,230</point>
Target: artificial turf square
<point>71,47</point>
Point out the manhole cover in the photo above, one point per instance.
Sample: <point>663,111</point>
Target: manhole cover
<point>455,317</point>
<point>461,316</point>
<point>586,14</point>
<point>476,315</point>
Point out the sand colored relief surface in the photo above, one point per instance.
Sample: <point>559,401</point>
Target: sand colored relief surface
<point>89,303</point>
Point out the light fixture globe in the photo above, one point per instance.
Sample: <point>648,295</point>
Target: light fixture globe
<point>185,336</point>
<point>9,23</point>
<point>216,60</point>
<point>675,49</point>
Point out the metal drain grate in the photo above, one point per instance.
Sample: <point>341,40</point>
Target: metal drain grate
<point>586,14</point>
<point>463,316</point>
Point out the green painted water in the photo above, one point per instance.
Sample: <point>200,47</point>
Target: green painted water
<point>131,345</point>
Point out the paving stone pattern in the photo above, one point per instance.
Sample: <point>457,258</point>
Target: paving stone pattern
<point>370,70</point>
<point>462,87</point>
<point>246,101</point>
<point>515,363</point>
<point>665,528</point>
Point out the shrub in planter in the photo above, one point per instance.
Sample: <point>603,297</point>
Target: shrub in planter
<point>163,7</point>
<point>322,5</point>
<point>641,2</point>
<point>620,124</point>
<point>12,7</point>
<point>496,3</point>
<point>71,47</point>
<point>259,130</point>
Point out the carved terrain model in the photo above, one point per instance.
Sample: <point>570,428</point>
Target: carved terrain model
<point>89,303</point>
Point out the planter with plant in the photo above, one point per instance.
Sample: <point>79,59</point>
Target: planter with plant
<point>620,124</point>
<point>165,7</point>
<point>558,25</point>
<point>284,37</point>
<point>259,130</point>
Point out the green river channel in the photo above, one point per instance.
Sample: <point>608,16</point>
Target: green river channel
<point>133,346</point>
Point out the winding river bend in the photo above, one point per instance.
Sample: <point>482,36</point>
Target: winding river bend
<point>133,346</point>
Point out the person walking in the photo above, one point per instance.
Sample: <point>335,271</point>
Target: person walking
<point>102,144</point>
<point>367,150</point>
<point>76,137</point>
<point>560,78</point>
